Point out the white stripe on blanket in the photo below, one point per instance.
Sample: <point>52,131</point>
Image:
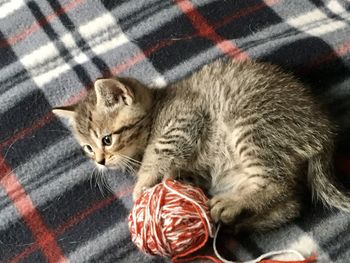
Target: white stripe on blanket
<point>45,64</point>
<point>316,23</point>
<point>10,7</point>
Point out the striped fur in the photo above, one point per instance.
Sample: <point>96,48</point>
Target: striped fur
<point>233,124</point>
<point>245,132</point>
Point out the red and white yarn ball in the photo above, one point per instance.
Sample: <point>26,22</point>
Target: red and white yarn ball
<point>171,219</point>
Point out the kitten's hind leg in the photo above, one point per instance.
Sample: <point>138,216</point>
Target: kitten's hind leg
<point>255,197</point>
<point>245,183</point>
<point>276,216</point>
<point>225,208</point>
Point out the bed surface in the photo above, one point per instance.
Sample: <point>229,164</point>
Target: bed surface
<point>50,53</point>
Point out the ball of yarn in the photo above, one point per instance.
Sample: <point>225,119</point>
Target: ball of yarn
<point>171,219</point>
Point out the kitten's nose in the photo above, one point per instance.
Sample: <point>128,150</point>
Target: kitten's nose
<point>102,161</point>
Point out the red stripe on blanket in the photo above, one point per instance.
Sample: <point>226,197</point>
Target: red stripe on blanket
<point>339,51</point>
<point>73,221</point>
<point>23,133</point>
<point>140,56</point>
<point>25,207</point>
<point>29,250</point>
<point>205,30</point>
<point>90,210</point>
<point>244,12</point>
<point>38,24</point>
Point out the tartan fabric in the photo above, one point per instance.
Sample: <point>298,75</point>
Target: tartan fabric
<point>51,51</point>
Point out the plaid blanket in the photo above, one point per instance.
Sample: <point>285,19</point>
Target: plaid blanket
<point>51,51</point>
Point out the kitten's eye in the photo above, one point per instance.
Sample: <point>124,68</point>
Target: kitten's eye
<point>107,140</point>
<point>88,149</point>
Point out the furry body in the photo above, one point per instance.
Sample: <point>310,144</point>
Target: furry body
<point>251,135</point>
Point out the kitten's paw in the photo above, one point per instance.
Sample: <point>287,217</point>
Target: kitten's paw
<point>142,185</point>
<point>223,209</point>
<point>137,192</point>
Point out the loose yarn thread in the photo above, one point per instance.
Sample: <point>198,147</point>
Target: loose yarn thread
<point>172,219</point>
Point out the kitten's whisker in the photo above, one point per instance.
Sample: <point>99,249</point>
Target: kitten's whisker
<point>127,164</point>
<point>130,158</point>
<point>103,182</point>
<point>124,164</point>
<point>134,161</point>
<point>12,171</point>
<point>106,184</point>
<point>96,176</point>
<point>8,150</point>
<point>99,183</point>
<point>91,176</point>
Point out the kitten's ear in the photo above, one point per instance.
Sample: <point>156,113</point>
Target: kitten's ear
<point>111,92</point>
<point>65,111</point>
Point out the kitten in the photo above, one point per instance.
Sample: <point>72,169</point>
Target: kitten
<point>248,133</point>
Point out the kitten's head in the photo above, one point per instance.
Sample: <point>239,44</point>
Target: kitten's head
<point>112,122</point>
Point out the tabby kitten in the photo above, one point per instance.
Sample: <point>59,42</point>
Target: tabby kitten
<point>249,134</point>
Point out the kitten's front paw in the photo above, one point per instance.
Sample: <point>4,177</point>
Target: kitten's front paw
<point>137,192</point>
<point>141,186</point>
<point>139,189</point>
<point>223,209</point>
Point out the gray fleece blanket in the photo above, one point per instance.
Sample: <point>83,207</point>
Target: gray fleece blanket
<point>50,53</point>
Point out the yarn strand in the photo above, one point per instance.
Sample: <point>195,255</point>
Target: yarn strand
<point>204,213</point>
<point>301,258</point>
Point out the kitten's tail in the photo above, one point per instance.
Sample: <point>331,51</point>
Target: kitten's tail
<point>323,183</point>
